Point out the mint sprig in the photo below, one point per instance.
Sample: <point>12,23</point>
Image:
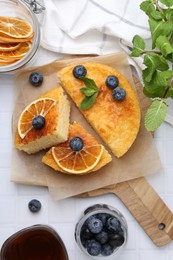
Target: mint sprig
<point>158,73</point>
<point>90,91</point>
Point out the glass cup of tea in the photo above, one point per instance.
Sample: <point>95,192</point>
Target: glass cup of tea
<point>34,242</point>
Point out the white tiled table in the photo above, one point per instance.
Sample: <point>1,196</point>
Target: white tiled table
<point>63,215</point>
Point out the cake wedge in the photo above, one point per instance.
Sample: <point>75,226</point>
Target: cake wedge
<point>44,122</point>
<point>115,113</point>
<point>80,154</point>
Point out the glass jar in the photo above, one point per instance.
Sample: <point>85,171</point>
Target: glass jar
<point>26,10</point>
<point>84,235</point>
<point>34,242</point>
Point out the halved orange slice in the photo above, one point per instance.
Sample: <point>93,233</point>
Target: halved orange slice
<point>16,54</point>
<point>40,107</point>
<point>15,27</point>
<point>77,162</point>
<point>9,46</point>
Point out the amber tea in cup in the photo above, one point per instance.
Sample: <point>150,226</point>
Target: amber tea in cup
<point>38,242</point>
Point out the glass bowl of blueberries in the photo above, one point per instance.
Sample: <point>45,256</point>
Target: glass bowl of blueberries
<point>101,232</point>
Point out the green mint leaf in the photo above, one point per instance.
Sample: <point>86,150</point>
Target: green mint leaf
<point>159,28</point>
<point>163,44</point>
<point>168,14</point>
<point>89,83</point>
<point>88,102</point>
<point>150,10</point>
<point>138,46</point>
<point>138,43</point>
<point>154,62</point>
<point>156,87</point>
<point>87,91</point>
<point>135,53</point>
<point>155,115</point>
<point>147,7</point>
<point>156,15</point>
<point>168,3</point>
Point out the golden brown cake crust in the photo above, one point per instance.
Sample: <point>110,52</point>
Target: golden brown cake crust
<point>116,122</point>
<point>76,129</point>
<point>50,119</point>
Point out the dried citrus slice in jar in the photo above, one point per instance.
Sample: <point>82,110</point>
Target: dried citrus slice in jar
<point>16,54</point>
<point>5,39</point>
<point>9,46</point>
<point>39,107</point>
<point>79,154</point>
<point>14,27</point>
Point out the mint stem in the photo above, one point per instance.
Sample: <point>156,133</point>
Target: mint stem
<point>168,87</point>
<point>145,52</point>
<point>158,6</point>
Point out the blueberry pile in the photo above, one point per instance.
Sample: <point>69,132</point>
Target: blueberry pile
<point>118,93</point>
<point>101,234</point>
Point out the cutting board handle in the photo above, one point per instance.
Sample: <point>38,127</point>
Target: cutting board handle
<point>148,209</point>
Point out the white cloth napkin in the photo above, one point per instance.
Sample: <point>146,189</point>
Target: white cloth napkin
<point>94,27</point>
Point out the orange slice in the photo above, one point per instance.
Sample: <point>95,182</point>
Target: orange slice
<point>16,54</point>
<point>15,27</point>
<point>77,162</point>
<point>39,107</point>
<point>9,46</point>
<point>5,39</point>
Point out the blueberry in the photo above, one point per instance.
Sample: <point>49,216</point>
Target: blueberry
<point>118,94</point>
<point>93,247</point>
<point>79,71</point>
<point>95,225</point>
<point>34,205</point>
<point>113,225</point>
<point>85,233</point>
<point>102,237</point>
<point>117,241</point>
<point>103,217</point>
<point>112,81</point>
<point>38,122</point>
<point>106,250</point>
<point>36,78</point>
<point>76,144</point>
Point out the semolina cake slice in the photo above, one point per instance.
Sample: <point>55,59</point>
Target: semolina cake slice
<point>115,111</point>
<point>79,155</point>
<point>44,122</point>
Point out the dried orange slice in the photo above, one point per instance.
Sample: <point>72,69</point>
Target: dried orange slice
<point>77,162</point>
<point>14,27</point>
<point>39,107</point>
<point>16,54</point>
<point>5,39</point>
<point>9,46</point>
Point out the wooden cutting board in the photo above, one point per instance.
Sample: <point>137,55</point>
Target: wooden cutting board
<point>145,205</point>
<point>143,202</point>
